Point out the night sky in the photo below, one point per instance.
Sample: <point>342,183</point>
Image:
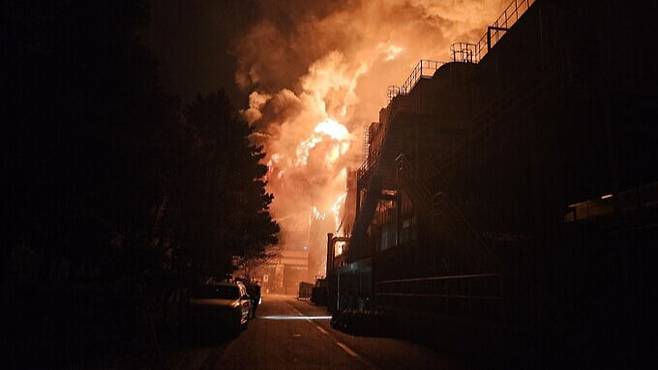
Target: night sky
<point>309,76</point>
<point>197,41</point>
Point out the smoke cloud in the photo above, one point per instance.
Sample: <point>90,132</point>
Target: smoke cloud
<point>317,76</point>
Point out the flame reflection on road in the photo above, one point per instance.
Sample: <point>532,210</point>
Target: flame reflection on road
<point>294,317</point>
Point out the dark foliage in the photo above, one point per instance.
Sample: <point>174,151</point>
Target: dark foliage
<point>109,186</point>
<point>218,205</point>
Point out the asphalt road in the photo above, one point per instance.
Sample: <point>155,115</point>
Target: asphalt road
<point>292,334</point>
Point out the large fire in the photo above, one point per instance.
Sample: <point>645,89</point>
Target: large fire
<point>329,129</point>
<point>318,80</point>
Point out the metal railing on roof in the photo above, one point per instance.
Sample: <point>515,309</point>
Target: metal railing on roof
<point>465,52</point>
<point>424,69</point>
<point>497,29</point>
<point>473,295</point>
<point>460,52</point>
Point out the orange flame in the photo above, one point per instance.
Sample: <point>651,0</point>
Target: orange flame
<point>317,214</point>
<point>307,123</point>
<point>337,207</point>
<point>327,130</point>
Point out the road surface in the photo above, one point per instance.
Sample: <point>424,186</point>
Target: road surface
<point>292,334</point>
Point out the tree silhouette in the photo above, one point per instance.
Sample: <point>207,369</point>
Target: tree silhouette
<point>85,152</point>
<point>221,205</point>
<point>111,186</point>
<point>84,148</point>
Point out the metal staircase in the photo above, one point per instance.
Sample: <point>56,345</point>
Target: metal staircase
<point>373,172</point>
<point>443,214</point>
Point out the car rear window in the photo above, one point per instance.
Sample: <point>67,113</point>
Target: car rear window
<point>217,291</point>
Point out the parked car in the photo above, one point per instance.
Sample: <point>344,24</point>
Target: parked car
<point>225,304</point>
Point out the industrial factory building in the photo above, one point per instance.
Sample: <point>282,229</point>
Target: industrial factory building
<point>513,191</point>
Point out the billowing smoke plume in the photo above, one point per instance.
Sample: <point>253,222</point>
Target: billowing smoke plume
<point>318,75</point>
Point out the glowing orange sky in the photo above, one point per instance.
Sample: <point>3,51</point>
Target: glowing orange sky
<point>312,127</point>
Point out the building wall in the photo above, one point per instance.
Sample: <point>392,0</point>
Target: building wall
<point>555,114</point>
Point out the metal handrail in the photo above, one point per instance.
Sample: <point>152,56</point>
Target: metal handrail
<point>373,158</point>
<point>463,52</point>
<point>425,68</point>
<point>434,278</point>
<point>452,296</point>
<point>497,29</point>
<point>405,167</point>
<point>471,295</point>
<point>407,173</point>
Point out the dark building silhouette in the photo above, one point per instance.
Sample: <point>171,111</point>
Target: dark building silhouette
<point>510,197</point>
